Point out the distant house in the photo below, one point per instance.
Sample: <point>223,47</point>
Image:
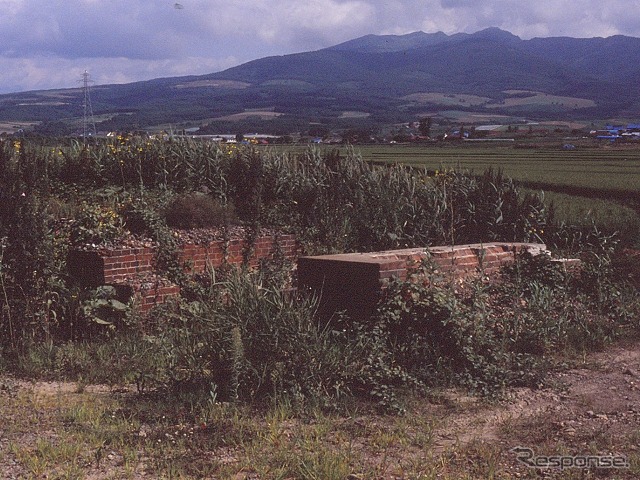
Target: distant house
<point>614,132</point>
<point>456,134</point>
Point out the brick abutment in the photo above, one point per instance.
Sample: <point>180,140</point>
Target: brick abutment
<point>132,270</point>
<point>354,282</point>
<point>350,282</point>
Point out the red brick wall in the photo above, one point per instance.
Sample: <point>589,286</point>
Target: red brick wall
<point>148,289</point>
<point>106,266</point>
<point>353,282</point>
<point>197,257</point>
<point>122,263</point>
<point>453,261</point>
<point>114,265</point>
<point>133,267</point>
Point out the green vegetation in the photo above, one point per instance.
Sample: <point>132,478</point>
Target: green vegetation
<point>245,337</point>
<point>584,185</point>
<point>603,169</point>
<point>622,216</point>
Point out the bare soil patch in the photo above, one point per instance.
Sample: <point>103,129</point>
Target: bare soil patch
<point>592,408</point>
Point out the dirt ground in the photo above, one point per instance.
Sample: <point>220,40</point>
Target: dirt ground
<point>591,408</point>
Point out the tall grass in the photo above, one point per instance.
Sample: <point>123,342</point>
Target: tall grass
<point>608,215</point>
<point>335,201</point>
<point>247,338</point>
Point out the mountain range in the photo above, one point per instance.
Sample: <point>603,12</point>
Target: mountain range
<point>375,79</point>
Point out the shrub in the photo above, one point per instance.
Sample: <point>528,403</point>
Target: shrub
<point>442,336</point>
<point>244,337</point>
<point>490,336</point>
<point>96,225</point>
<point>256,342</point>
<point>30,272</point>
<point>247,342</point>
<point>198,210</point>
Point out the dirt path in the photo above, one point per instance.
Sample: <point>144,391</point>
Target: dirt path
<point>593,408</point>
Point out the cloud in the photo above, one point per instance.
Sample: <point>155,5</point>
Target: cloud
<point>45,41</point>
<point>577,18</point>
<point>41,73</point>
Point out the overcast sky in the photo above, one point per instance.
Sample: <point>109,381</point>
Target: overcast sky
<point>50,43</point>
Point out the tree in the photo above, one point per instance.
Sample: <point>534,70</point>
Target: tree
<point>425,127</point>
<point>358,135</point>
<point>318,131</point>
<point>53,129</point>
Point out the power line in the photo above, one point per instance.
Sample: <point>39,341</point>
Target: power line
<point>88,122</point>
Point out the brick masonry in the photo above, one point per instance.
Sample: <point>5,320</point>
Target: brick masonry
<point>150,290</point>
<point>353,282</point>
<point>132,269</point>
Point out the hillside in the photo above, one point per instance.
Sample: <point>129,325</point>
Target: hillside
<point>387,78</point>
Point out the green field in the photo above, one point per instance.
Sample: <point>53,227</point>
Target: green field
<point>584,184</point>
<point>598,184</point>
<point>604,169</point>
<point>608,169</point>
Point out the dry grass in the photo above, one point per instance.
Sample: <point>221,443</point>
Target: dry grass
<point>55,430</point>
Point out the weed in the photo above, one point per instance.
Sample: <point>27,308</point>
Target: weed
<point>95,225</point>
<point>198,210</point>
<point>249,340</point>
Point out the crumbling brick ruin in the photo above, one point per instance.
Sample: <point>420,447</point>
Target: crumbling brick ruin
<point>131,269</point>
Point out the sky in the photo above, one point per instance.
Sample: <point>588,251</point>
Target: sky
<point>48,44</point>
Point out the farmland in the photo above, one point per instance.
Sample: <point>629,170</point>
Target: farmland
<point>585,184</point>
<point>610,169</point>
<point>605,169</point>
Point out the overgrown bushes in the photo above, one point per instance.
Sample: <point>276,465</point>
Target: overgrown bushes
<point>487,336</point>
<point>245,337</point>
<point>334,201</point>
<point>198,210</point>
<point>340,203</point>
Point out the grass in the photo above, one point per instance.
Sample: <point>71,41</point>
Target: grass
<point>271,348</point>
<point>614,169</point>
<point>89,433</point>
<point>579,210</point>
<point>601,169</point>
<point>538,98</point>
<point>101,434</point>
<point>78,431</point>
<point>56,433</point>
<point>585,184</point>
<point>531,98</point>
